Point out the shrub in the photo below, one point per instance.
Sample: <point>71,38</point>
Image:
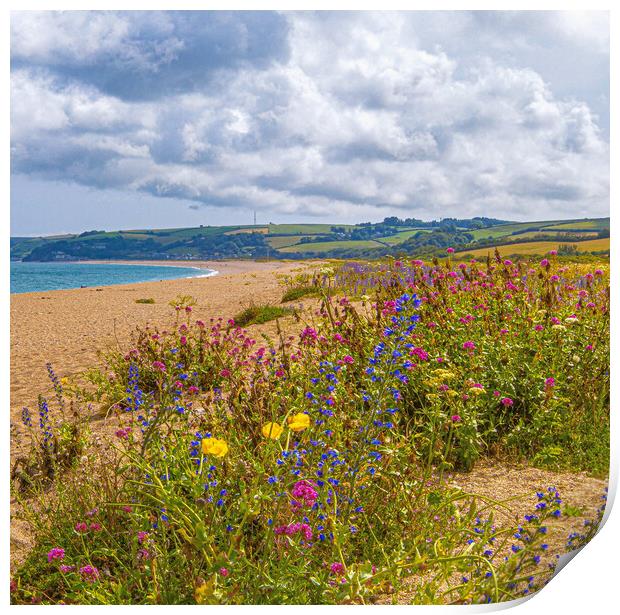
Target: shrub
<point>150,300</point>
<point>297,292</point>
<point>259,314</point>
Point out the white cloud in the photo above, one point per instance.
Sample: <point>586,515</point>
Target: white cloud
<point>359,119</point>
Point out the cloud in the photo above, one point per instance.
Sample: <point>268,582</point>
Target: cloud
<point>347,115</point>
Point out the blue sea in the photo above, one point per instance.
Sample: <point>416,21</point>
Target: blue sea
<point>30,277</point>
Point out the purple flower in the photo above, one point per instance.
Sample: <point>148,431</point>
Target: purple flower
<point>89,573</point>
<point>56,553</point>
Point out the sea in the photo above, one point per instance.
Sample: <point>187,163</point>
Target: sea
<point>27,277</point>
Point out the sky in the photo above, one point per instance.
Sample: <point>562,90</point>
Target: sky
<point>124,120</point>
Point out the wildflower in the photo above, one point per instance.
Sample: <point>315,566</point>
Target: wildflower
<point>469,345</point>
<point>214,446</point>
<point>272,430</point>
<point>127,509</point>
<point>549,383</point>
<point>55,553</point>
<point>89,573</point>
<point>304,490</point>
<point>552,252</point>
<point>64,568</point>
<point>348,359</point>
<point>506,401</point>
<point>544,262</point>
<point>299,422</point>
<point>450,250</point>
<point>477,390</point>
<point>224,572</point>
<point>81,527</point>
<point>142,536</point>
<point>159,366</point>
<point>95,527</point>
<point>337,567</point>
<point>456,418</point>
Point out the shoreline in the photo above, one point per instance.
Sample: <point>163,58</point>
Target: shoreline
<point>224,267</point>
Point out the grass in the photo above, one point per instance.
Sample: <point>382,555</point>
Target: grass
<point>402,236</point>
<point>297,292</point>
<point>537,247</point>
<point>326,246</point>
<point>283,241</point>
<point>260,314</point>
<point>303,229</point>
<point>149,300</point>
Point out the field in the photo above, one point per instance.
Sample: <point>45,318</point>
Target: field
<point>326,246</point>
<point>539,247</point>
<point>282,240</point>
<point>321,464</point>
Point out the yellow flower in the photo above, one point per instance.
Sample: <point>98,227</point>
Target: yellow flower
<point>558,327</point>
<point>299,422</point>
<point>476,391</point>
<point>451,393</point>
<point>272,430</point>
<point>215,447</point>
<point>432,396</point>
<point>443,373</point>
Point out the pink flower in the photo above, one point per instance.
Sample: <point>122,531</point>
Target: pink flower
<point>304,490</point>
<point>337,568</point>
<point>142,536</point>
<point>507,263</point>
<point>224,572</point>
<point>89,573</point>
<point>183,340</point>
<point>456,418</point>
<point>127,509</point>
<point>81,527</point>
<point>598,272</point>
<point>225,373</point>
<point>231,322</point>
<point>544,262</point>
<point>450,250</point>
<point>348,359</point>
<point>193,390</point>
<point>469,346</point>
<point>159,366</point>
<point>549,383</point>
<point>64,568</point>
<point>95,527</point>
<point>552,252</point>
<point>200,324</point>
<point>538,328</point>
<point>188,308</point>
<point>506,401</point>
<point>55,553</point>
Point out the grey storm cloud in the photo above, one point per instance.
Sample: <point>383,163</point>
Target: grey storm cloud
<point>341,114</point>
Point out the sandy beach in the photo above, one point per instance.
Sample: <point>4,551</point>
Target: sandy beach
<point>69,327</point>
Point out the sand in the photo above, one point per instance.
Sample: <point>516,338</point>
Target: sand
<point>69,327</point>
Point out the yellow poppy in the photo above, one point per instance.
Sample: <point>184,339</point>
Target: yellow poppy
<point>215,447</point>
<point>299,422</point>
<point>272,430</point>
